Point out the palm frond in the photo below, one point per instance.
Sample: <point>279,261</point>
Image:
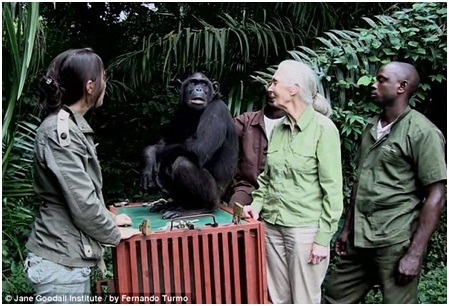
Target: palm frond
<point>20,39</point>
<point>17,180</point>
<point>212,48</point>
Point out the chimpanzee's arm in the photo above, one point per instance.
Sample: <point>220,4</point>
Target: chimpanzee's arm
<point>148,165</point>
<point>210,134</point>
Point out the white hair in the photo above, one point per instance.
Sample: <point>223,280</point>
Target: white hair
<point>299,74</point>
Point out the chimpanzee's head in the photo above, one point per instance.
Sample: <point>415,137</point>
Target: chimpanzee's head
<point>197,91</point>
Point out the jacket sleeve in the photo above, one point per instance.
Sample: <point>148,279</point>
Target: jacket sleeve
<point>85,205</point>
<point>259,194</point>
<point>239,125</point>
<point>239,183</point>
<point>331,182</point>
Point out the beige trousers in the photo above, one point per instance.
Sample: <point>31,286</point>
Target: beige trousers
<point>291,279</point>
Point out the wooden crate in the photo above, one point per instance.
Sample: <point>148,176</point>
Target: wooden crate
<point>223,264</point>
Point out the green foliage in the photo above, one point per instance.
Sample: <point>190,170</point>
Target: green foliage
<point>225,51</point>
<point>21,26</point>
<point>239,39</point>
<point>432,288</point>
<point>348,60</point>
<point>437,247</point>
<point>17,180</point>
<point>374,296</point>
<point>22,51</point>
<point>16,282</point>
<point>96,274</point>
<point>18,210</point>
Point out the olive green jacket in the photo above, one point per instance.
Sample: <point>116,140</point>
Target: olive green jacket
<point>73,221</point>
<point>390,178</point>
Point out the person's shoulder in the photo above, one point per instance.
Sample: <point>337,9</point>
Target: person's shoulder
<point>419,123</point>
<point>48,123</point>
<point>249,116</point>
<point>323,120</point>
<point>55,125</point>
<point>419,118</point>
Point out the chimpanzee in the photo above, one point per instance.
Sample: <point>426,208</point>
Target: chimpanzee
<point>197,158</point>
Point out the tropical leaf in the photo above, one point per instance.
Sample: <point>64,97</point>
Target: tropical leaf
<point>21,36</point>
<point>224,51</point>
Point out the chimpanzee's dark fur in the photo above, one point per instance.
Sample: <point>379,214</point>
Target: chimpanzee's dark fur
<point>197,158</point>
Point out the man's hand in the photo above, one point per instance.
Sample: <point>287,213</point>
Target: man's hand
<point>250,212</point>
<point>340,244</point>
<point>408,268</point>
<point>127,232</point>
<point>409,265</point>
<point>123,220</point>
<point>318,253</point>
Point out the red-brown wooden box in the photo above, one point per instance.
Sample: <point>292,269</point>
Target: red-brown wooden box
<point>223,264</point>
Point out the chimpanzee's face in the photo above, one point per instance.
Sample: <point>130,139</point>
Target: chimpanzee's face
<point>197,91</point>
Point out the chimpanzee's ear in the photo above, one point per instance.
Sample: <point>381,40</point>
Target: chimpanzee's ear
<point>216,87</point>
<point>177,85</point>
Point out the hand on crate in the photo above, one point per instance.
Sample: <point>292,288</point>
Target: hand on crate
<point>127,232</point>
<point>123,220</point>
<point>250,212</point>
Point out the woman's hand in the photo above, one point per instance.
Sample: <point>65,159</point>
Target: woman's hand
<point>123,220</point>
<point>128,232</point>
<point>318,253</point>
<point>250,212</point>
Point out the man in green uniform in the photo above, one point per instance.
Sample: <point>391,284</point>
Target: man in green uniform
<point>396,198</point>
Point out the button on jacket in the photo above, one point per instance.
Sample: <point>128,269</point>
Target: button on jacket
<point>73,221</point>
<point>302,182</point>
<point>391,174</point>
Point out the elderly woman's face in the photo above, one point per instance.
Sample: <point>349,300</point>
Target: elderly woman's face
<point>279,89</point>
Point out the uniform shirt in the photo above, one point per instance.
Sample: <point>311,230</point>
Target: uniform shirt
<point>302,182</point>
<point>253,144</point>
<point>73,221</point>
<point>391,173</point>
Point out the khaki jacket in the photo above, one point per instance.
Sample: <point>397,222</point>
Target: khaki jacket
<point>73,222</point>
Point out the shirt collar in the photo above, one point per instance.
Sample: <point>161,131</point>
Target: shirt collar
<point>376,118</point>
<point>304,120</point>
<point>258,118</point>
<point>82,123</point>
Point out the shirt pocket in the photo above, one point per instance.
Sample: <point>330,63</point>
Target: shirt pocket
<point>393,171</point>
<point>304,159</point>
<point>389,157</point>
<point>90,248</point>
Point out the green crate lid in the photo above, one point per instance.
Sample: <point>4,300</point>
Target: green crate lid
<point>140,213</point>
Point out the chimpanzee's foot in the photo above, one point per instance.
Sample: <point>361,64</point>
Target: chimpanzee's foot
<point>182,212</point>
<point>161,205</point>
<point>174,213</point>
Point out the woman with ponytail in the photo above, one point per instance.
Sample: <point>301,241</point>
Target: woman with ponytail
<point>73,223</point>
<point>300,198</point>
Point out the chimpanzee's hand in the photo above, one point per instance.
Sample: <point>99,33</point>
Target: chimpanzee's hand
<point>146,178</point>
<point>148,167</point>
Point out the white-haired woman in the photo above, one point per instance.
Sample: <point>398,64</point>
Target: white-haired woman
<point>300,197</point>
